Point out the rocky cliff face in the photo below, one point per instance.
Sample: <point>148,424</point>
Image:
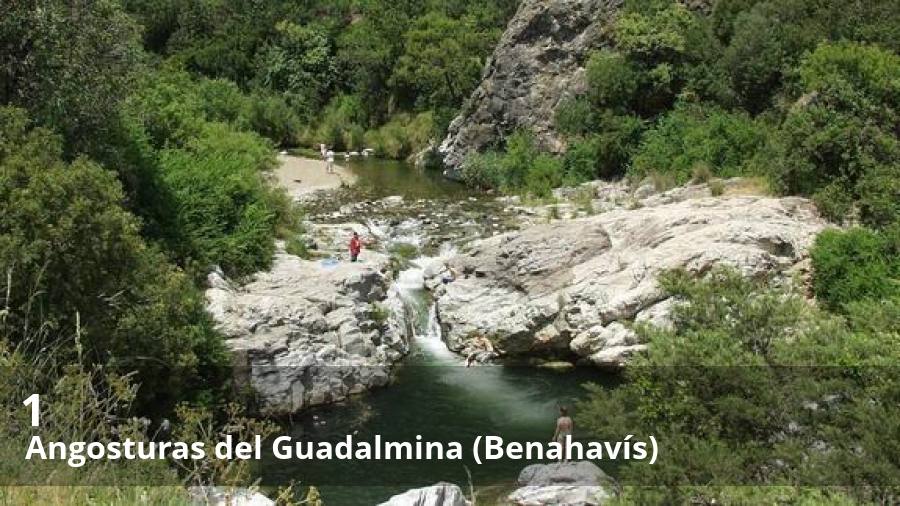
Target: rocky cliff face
<point>306,333</point>
<point>538,62</point>
<point>576,286</point>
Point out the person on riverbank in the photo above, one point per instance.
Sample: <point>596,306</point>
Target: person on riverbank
<point>329,162</point>
<point>355,247</point>
<point>564,428</point>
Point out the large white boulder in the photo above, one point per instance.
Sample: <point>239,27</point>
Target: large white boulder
<point>564,484</point>
<point>580,285</point>
<point>310,332</point>
<point>441,494</point>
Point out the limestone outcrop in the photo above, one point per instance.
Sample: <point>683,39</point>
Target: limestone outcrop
<point>563,484</point>
<point>538,62</point>
<point>308,333</point>
<point>577,286</point>
<point>441,494</point>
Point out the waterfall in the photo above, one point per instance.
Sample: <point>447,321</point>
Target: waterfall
<point>420,312</point>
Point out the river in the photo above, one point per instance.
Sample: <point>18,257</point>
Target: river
<point>433,394</point>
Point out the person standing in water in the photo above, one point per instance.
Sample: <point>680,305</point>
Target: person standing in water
<point>355,247</point>
<point>564,428</point>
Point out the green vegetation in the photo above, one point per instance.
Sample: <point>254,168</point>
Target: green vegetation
<point>856,265</point>
<point>754,386</point>
<point>801,92</point>
<point>351,74</point>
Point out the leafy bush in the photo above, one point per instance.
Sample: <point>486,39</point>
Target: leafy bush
<point>692,134</point>
<point>843,130</point>
<point>855,265</point>
<point>402,136</point>
<point>543,176</point>
<point>612,80</point>
<point>272,117</point>
<point>72,258</point>
<point>221,210</point>
<point>575,117</point>
<point>482,170</point>
<point>718,391</point>
<point>605,154</point>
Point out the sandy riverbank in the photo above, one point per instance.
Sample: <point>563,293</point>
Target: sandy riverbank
<point>302,176</point>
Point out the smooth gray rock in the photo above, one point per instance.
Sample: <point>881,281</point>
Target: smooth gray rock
<point>441,494</point>
<point>538,62</point>
<point>224,496</point>
<point>569,483</point>
<point>578,285</point>
<point>307,333</point>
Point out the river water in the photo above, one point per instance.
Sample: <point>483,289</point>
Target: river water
<point>433,394</point>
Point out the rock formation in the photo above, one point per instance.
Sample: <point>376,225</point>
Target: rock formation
<point>576,286</point>
<point>538,62</point>
<point>307,332</point>
<point>563,484</point>
<point>441,494</point>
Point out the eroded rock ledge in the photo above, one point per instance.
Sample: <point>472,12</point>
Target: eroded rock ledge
<point>308,333</point>
<point>576,286</point>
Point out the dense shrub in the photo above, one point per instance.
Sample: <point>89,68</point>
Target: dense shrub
<point>842,131</point>
<point>605,154</point>
<point>221,210</point>
<point>613,81</point>
<point>402,136</point>
<point>575,117</point>
<point>855,265</point>
<point>73,258</point>
<point>693,134</point>
<point>482,170</point>
<point>718,390</point>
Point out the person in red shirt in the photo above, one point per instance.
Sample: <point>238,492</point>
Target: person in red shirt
<point>355,247</point>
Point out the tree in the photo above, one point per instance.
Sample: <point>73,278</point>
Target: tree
<point>78,276</point>
<point>297,63</point>
<point>71,65</point>
<point>442,60</point>
<point>842,130</point>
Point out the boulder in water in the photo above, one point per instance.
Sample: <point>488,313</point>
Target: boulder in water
<point>226,496</point>
<point>564,484</point>
<point>441,494</point>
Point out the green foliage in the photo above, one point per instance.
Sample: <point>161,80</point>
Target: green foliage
<point>606,153</point>
<point>726,392</point>
<point>482,170</point>
<point>575,117</point>
<point>402,136</point>
<point>221,211</point>
<point>855,265</point>
<point>454,50</point>
<point>71,67</point>
<point>297,62</point>
<point>613,80</point>
<point>691,135</point>
<point>843,130</point>
<point>72,258</point>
